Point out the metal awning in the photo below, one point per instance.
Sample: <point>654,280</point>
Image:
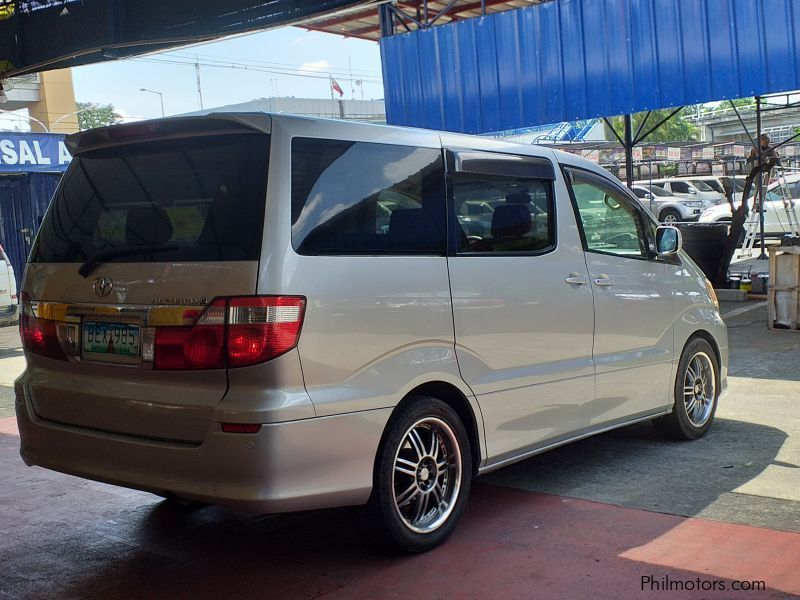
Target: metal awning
<point>364,22</point>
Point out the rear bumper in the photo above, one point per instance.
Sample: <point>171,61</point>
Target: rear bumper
<point>296,465</point>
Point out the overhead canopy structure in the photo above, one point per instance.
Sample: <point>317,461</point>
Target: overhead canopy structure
<point>365,22</point>
<point>579,59</point>
<point>38,35</point>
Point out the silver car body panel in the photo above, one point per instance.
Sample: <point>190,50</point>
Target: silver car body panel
<point>538,361</point>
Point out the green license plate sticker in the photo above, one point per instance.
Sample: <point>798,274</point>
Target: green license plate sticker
<point>104,337</point>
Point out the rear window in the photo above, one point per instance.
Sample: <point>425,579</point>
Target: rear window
<point>366,198</point>
<point>199,198</point>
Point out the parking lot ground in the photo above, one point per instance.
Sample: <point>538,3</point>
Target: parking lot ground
<point>621,515</point>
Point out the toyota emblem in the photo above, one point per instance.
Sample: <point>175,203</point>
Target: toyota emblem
<point>102,286</point>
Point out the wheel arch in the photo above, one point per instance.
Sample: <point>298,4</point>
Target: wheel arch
<point>455,398</point>
<point>705,335</point>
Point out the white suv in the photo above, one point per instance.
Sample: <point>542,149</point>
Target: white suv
<point>666,207</point>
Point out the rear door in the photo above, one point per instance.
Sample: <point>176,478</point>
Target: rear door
<point>634,306</point>
<point>522,303</point>
<point>146,228</point>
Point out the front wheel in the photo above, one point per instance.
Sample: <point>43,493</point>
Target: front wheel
<point>696,392</point>
<point>670,216</point>
<point>422,477</point>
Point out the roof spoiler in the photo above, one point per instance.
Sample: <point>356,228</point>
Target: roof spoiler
<point>173,127</point>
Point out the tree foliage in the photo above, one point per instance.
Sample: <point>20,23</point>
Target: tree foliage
<point>676,129</point>
<point>92,114</point>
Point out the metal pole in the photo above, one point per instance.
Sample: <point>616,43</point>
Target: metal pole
<point>628,151</point>
<point>760,188</point>
<point>197,75</point>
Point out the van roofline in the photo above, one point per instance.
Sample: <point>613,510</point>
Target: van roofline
<point>230,122</point>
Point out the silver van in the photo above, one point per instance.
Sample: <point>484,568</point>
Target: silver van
<point>277,313</point>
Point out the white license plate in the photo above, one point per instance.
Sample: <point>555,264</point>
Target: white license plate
<point>105,337</point>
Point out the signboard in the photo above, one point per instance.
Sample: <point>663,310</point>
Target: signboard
<point>637,153</point>
<point>673,153</point>
<point>33,152</point>
<point>708,153</point>
<point>718,169</point>
<point>738,151</point>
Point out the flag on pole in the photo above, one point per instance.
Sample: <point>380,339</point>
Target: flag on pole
<point>336,87</point>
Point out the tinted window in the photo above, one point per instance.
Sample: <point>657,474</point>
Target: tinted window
<point>640,193</point>
<point>365,198</point>
<point>679,187</point>
<point>657,191</point>
<point>611,223</point>
<point>711,184</point>
<point>702,185</point>
<point>504,214</point>
<point>170,200</point>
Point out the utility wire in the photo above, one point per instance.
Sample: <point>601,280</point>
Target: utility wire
<point>274,71</point>
<point>288,66</point>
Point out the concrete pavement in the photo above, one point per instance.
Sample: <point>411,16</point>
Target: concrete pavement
<point>622,515</point>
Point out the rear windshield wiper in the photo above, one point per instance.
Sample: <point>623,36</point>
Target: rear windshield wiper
<point>103,255</point>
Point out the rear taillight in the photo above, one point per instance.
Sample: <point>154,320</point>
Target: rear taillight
<point>232,332</point>
<point>201,346</point>
<point>39,336</point>
<point>262,327</point>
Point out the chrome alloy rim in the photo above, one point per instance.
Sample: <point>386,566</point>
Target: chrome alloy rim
<point>699,389</point>
<point>670,219</point>
<point>427,475</point>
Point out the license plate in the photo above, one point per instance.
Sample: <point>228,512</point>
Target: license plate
<point>104,337</point>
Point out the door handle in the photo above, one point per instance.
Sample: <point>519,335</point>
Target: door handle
<point>603,281</point>
<point>576,279</point>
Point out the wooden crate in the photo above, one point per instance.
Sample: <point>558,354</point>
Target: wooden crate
<point>783,295</point>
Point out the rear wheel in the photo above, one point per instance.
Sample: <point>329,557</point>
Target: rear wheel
<point>422,477</point>
<point>696,393</point>
<point>670,216</point>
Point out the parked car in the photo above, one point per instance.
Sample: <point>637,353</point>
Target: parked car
<point>717,183</point>
<point>214,311</point>
<point>684,188</point>
<point>8,291</point>
<point>666,207</point>
<point>776,220</point>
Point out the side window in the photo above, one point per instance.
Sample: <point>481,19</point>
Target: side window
<point>611,222</point>
<point>365,198</point>
<point>680,187</point>
<point>504,214</point>
<point>640,193</point>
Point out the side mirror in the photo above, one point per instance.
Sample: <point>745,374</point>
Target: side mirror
<point>668,241</point>
<point>692,191</point>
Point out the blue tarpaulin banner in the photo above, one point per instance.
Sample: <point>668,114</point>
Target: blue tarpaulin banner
<point>33,153</point>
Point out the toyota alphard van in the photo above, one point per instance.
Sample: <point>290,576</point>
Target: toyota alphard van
<point>277,313</point>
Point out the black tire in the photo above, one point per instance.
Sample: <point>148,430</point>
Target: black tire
<point>443,440</point>
<point>688,420</point>
<point>670,216</point>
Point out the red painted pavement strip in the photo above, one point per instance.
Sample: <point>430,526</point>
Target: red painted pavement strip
<point>517,544</point>
<point>100,541</point>
<point>8,426</point>
<point>512,544</point>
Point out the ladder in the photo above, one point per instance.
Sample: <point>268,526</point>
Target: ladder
<point>752,225</point>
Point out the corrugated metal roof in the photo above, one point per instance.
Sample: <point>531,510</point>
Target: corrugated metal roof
<point>579,59</point>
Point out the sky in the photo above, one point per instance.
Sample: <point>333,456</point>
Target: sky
<point>288,61</point>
